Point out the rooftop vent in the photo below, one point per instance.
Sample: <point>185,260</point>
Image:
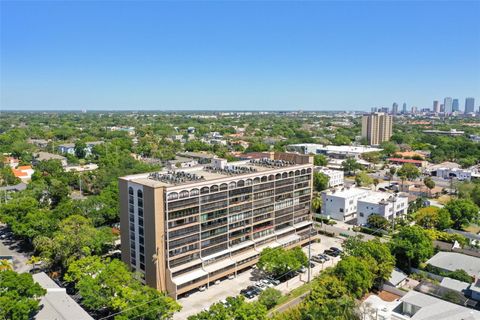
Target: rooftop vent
<point>265,162</point>
<point>175,177</point>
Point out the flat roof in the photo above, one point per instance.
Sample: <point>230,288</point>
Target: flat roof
<point>434,308</point>
<point>347,192</point>
<point>187,277</point>
<point>57,304</point>
<point>251,169</point>
<point>453,261</point>
<point>353,149</point>
<point>454,284</point>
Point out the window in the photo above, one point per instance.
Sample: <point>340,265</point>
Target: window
<point>341,209</point>
<point>130,191</point>
<point>140,194</point>
<point>194,192</point>
<point>184,194</point>
<point>214,188</point>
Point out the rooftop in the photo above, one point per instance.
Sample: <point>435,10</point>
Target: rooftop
<point>347,192</point>
<point>406,160</point>
<point>453,261</point>
<point>57,304</point>
<point>219,169</point>
<point>349,149</point>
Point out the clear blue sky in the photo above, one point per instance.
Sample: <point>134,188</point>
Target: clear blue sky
<point>237,55</point>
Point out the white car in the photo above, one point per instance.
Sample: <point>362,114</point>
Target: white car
<point>202,288</point>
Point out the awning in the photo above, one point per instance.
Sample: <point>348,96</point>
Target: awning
<point>302,224</point>
<point>272,244</point>
<point>282,231</point>
<point>223,264</point>
<point>288,239</point>
<point>187,277</point>
<point>245,255</point>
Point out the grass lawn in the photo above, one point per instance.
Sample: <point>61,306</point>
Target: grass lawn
<point>295,293</point>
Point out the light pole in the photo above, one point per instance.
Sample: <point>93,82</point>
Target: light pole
<point>309,252</point>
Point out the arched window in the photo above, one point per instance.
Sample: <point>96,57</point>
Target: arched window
<point>264,179</point>
<point>284,175</point>
<point>256,180</point>
<point>278,176</point>
<point>140,194</point>
<point>303,171</point>
<point>214,188</point>
<point>232,185</point>
<point>130,190</point>
<point>297,172</point>
<point>240,183</point>
<point>204,190</point>
<point>271,177</point>
<point>183,194</point>
<point>291,173</point>
<point>309,170</point>
<point>194,192</point>
<point>223,186</point>
<point>172,196</point>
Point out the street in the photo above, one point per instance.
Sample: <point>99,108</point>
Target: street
<point>10,247</point>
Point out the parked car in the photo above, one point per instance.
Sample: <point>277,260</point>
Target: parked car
<point>302,269</point>
<point>231,277</point>
<point>312,265</point>
<point>202,288</point>
<point>317,259</point>
<point>324,257</point>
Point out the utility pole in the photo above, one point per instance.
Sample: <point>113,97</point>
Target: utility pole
<point>309,253</point>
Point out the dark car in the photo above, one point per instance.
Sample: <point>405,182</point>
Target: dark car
<point>312,265</point>
<point>335,249</point>
<point>331,253</point>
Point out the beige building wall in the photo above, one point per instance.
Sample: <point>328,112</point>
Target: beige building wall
<point>377,127</point>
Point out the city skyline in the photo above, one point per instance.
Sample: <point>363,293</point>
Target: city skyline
<point>227,56</point>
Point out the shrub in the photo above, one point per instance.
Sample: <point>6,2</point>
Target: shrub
<point>269,297</point>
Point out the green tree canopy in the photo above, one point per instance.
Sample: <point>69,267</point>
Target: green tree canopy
<point>462,212</point>
<point>19,295</point>
<point>320,181</point>
<point>411,246</point>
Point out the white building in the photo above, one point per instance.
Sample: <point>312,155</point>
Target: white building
<point>383,204</point>
<point>337,152</point>
<point>459,174</point>
<point>415,306</point>
<point>341,204</point>
<point>335,176</point>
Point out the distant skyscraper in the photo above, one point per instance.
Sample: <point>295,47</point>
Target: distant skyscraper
<point>404,108</point>
<point>436,106</point>
<point>469,105</point>
<point>384,109</point>
<point>447,105</point>
<point>374,109</point>
<point>455,105</point>
<point>394,108</point>
<point>442,108</point>
<point>414,109</point>
<point>377,127</point>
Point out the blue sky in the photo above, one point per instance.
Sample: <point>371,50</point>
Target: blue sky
<point>237,55</point>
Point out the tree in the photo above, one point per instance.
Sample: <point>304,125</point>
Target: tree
<point>392,172</point>
<point>373,157</point>
<point>76,238</point>
<point>320,160</point>
<point>19,295</point>
<point>388,147</point>
<point>350,165</point>
<point>278,261</point>
<point>375,253</point>
<point>376,182</point>
<point>80,149</point>
<point>362,179</point>
<point>408,171</point>
<point>411,246</point>
<point>269,297</point>
<point>316,202</point>
<point>430,184</point>
<point>320,181</point>
<point>427,217</point>
<point>378,222</point>
<point>108,284</point>
<point>236,309</point>
<point>355,274</point>
<point>462,212</point>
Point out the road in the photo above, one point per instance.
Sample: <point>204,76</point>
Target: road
<point>11,247</point>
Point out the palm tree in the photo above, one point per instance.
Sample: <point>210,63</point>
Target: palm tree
<point>316,202</point>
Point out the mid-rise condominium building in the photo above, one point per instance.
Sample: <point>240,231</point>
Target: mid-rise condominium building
<point>377,127</point>
<point>186,228</point>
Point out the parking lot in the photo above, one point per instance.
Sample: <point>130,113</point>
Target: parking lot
<point>198,301</point>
